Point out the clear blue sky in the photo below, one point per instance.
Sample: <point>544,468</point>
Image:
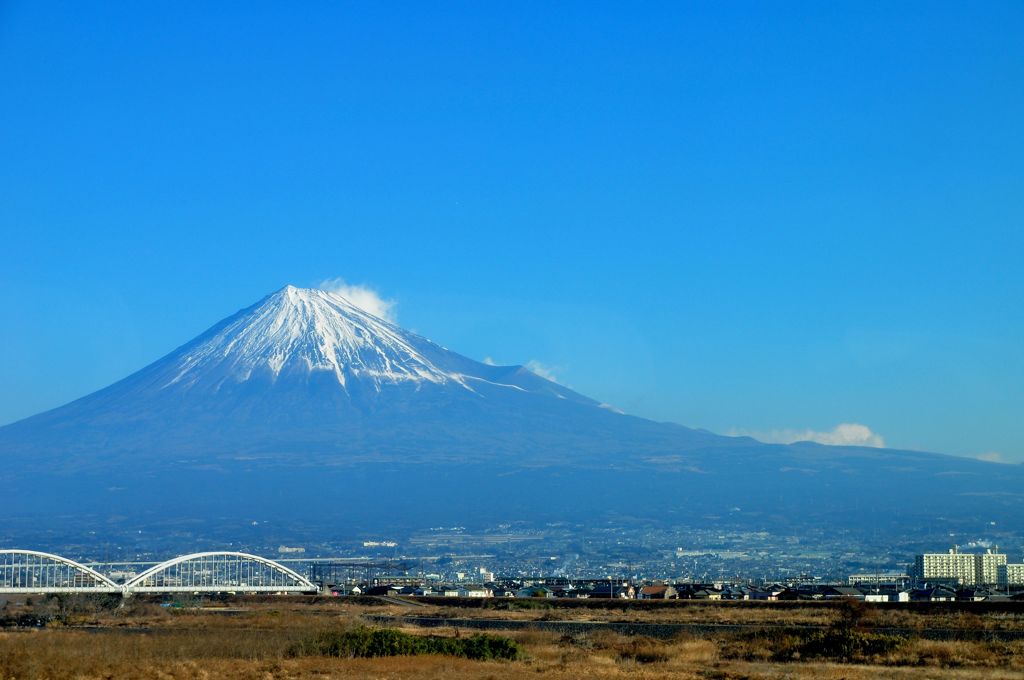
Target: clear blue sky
<point>759,217</point>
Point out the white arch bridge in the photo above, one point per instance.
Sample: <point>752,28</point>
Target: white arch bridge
<point>30,571</point>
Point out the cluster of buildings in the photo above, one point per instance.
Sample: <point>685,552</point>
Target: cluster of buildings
<point>553,587</point>
<point>778,592</point>
<point>933,577</point>
<point>967,569</point>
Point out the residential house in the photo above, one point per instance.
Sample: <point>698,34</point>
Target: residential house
<point>706,593</point>
<point>607,590</point>
<point>658,592</point>
<point>939,593</point>
<point>842,593</point>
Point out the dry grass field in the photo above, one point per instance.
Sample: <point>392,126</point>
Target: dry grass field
<point>268,638</point>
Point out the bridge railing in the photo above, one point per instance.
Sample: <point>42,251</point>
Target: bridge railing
<point>40,572</point>
<point>28,571</point>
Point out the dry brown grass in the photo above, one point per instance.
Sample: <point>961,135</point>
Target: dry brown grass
<point>960,654</point>
<point>250,639</point>
<point>677,612</point>
<point>229,654</point>
<point>749,613</point>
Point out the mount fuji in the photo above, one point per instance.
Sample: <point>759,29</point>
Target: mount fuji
<point>304,399</point>
<point>304,377</point>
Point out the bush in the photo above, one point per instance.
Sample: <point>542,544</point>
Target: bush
<point>372,642</point>
<point>847,644</point>
<point>836,643</point>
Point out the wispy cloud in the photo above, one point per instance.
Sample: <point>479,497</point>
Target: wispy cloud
<point>991,457</point>
<point>844,434</point>
<point>544,371</point>
<point>364,297</point>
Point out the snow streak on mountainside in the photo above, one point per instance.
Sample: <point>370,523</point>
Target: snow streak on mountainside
<point>320,347</point>
<point>306,330</point>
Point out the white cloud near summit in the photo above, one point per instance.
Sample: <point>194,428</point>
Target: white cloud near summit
<point>534,366</point>
<point>363,297</point>
<point>546,372</point>
<point>844,434</point>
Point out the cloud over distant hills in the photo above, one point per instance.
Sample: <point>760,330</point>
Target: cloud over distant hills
<point>844,434</point>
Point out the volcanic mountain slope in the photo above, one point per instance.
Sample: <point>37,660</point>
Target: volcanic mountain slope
<point>304,396</point>
<point>305,377</point>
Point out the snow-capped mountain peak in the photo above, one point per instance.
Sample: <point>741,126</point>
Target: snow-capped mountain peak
<point>306,331</point>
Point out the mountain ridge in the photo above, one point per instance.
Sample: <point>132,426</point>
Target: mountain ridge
<point>310,361</point>
<point>297,397</point>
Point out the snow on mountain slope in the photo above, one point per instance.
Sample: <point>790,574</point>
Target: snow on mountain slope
<point>299,337</point>
<point>304,374</point>
<point>306,330</point>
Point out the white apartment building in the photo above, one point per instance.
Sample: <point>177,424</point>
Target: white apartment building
<point>1011,574</point>
<point>967,569</point>
<point>988,566</point>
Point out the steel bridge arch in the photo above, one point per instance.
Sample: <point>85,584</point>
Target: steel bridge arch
<point>104,584</point>
<point>136,584</point>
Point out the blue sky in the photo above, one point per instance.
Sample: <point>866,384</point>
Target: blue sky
<point>749,217</point>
